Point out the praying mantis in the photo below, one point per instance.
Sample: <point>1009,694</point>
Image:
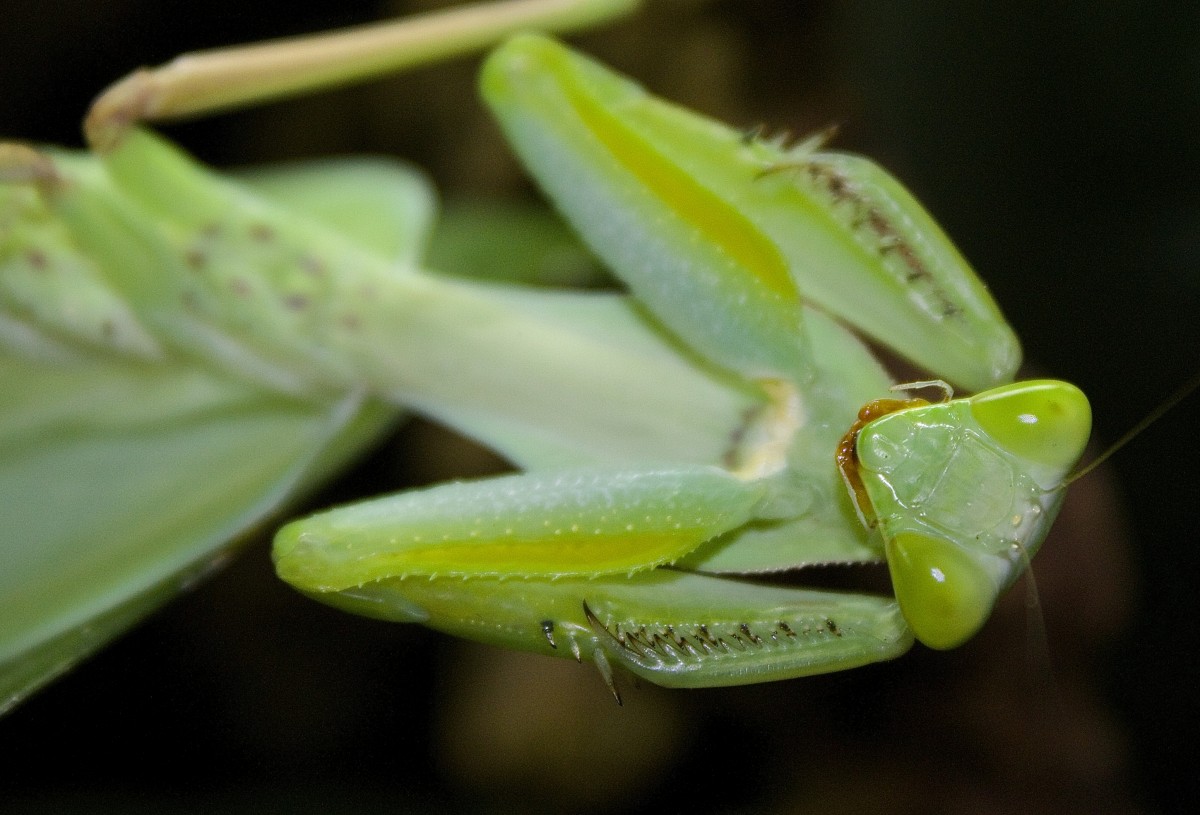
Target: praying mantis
<point>674,439</point>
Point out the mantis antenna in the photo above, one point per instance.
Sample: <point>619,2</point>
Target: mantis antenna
<point>1150,418</point>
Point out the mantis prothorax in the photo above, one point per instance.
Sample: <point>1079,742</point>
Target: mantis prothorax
<point>676,439</point>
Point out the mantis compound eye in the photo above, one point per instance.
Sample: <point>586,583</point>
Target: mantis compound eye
<point>964,492</point>
<point>1045,421</point>
<point>944,592</point>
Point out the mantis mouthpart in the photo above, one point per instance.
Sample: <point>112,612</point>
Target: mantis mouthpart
<point>963,493</point>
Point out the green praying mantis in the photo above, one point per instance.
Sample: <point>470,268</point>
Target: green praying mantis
<point>216,346</point>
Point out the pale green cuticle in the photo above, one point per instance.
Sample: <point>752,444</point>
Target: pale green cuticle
<point>944,592</point>
<point>276,325</point>
<point>1045,421</point>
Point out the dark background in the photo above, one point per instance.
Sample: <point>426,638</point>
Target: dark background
<point>1058,146</point>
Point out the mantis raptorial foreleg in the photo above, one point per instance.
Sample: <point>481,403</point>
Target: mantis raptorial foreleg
<point>198,84</point>
<point>689,426</point>
<point>169,377</point>
<point>681,210</point>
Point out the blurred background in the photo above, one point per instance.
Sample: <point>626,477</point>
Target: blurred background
<point>1057,143</point>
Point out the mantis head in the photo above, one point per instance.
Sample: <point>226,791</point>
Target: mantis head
<point>964,492</point>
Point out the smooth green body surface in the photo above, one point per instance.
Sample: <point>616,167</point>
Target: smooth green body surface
<point>722,237</point>
<point>963,494</point>
<point>676,438</point>
<point>741,249</point>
